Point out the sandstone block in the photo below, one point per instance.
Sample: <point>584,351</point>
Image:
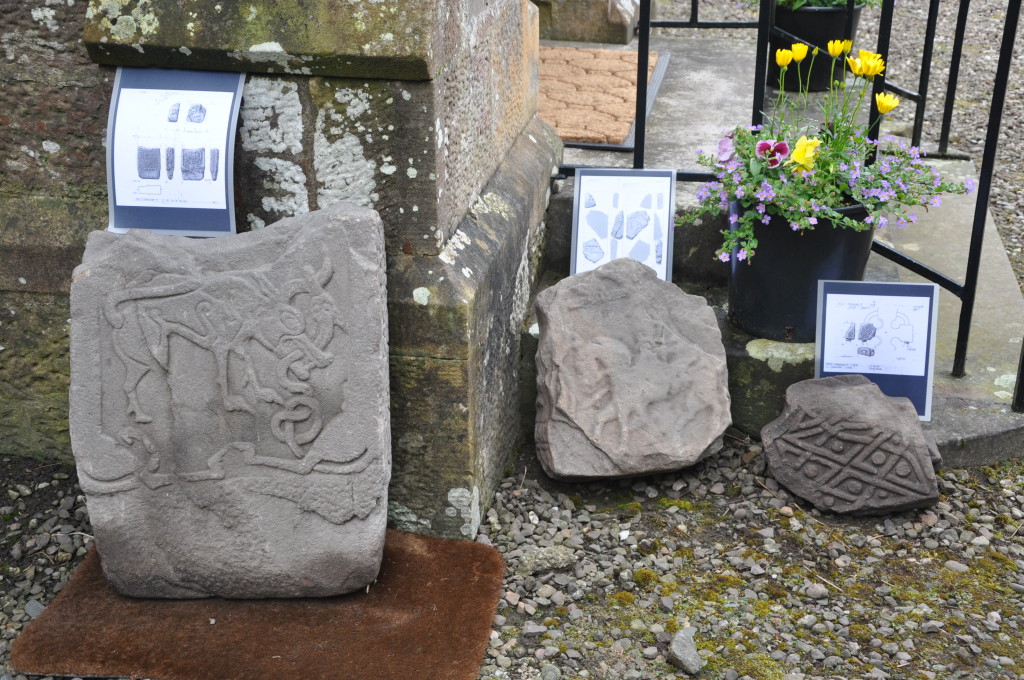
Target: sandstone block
<point>848,448</point>
<point>631,375</point>
<point>230,410</point>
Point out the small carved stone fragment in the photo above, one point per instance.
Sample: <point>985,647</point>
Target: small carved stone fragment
<point>592,250</point>
<point>636,222</point>
<point>848,448</point>
<point>193,164</point>
<point>196,113</point>
<point>631,375</point>
<point>147,160</point>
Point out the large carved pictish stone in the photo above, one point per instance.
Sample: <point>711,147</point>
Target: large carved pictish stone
<point>230,408</point>
<point>631,375</point>
<point>846,447</point>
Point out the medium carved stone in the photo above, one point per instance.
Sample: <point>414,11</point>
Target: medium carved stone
<point>631,375</point>
<point>230,410</point>
<point>848,448</point>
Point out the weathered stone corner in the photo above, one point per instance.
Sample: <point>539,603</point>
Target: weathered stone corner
<point>455,331</point>
<point>600,21</point>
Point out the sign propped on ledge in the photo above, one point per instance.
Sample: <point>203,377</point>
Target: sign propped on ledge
<point>170,151</point>
<point>623,213</point>
<point>883,331</point>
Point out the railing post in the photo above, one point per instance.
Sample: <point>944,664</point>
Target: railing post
<point>643,50</point>
<point>988,161</point>
<point>926,69</point>
<point>884,38</point>
<point>765,21</point>
<point>954,73</point>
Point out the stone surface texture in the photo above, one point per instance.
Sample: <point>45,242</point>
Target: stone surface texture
<point>333,109</point>
<point>598,21</point>
<point>230,410</point>
<point>631,375</point>
<point>846,447</point>
<point>455,346</point>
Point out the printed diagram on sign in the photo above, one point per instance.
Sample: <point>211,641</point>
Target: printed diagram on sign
<point>168,148</point>
<point>624,216</point>
<point>883,334</point>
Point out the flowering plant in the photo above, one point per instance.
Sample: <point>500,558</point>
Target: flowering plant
<point>804,169</point>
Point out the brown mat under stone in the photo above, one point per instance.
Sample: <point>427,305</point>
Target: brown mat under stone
<point>428,616</point>
<point>589,94</point>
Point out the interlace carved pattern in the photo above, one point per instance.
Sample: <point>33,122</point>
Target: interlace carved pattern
<point>851,463</point>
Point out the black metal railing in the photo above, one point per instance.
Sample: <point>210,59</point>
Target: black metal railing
<point>966,291</point>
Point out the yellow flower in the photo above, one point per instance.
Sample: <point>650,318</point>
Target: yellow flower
<point>886,102</point>
<point>783,57</point>
<point>799,51</point>
<point>867,64</point>
<point>803,154</point>
<point>837,47</point>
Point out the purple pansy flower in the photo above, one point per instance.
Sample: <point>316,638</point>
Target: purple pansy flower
<point>772,151</point>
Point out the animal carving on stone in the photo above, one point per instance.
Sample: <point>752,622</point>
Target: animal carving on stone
<point>232,315</point>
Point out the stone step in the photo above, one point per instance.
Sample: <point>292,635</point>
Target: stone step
<point>972,421</point>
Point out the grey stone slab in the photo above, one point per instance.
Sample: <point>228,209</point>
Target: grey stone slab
<point>631,375</point>
<point>848,448</point>
<point>230,408</point>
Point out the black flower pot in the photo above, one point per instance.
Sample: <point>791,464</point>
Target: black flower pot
<point>774,295</point>
<point>815,26</point>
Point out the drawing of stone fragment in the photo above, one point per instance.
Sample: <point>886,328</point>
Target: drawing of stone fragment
<point>657,228</point>
<point>598,221</point>
<point>636,222</point>
<point>172,115</point>
<point>169,162</point>
<point>193,164</point>
<point>214,163</point>
<point>592,250</point>
<point>866,351</point>
<point>867,331</point>
<point>589,202</point>
<point>658,247</point>
<point>147,159</point>
<point>620,221</point>
<point>641,251</point>
<point>851,332</point>
<point>196,113</point>
<point>646,203</point>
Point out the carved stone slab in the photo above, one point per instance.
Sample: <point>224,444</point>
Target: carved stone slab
<point>846,447</point>
<point>230,410</point>
<point>631,375</point>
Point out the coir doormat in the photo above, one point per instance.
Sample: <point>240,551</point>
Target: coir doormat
<point>589,94</point>
<point>428,616</point>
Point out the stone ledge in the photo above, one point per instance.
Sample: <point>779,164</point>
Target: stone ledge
<point>454,336</point>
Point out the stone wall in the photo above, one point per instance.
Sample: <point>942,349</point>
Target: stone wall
<point>53,108</point>
<point>406,107</point>
<point>422,110</point>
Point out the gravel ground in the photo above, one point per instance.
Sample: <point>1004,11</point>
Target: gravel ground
<point>602,576</point>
